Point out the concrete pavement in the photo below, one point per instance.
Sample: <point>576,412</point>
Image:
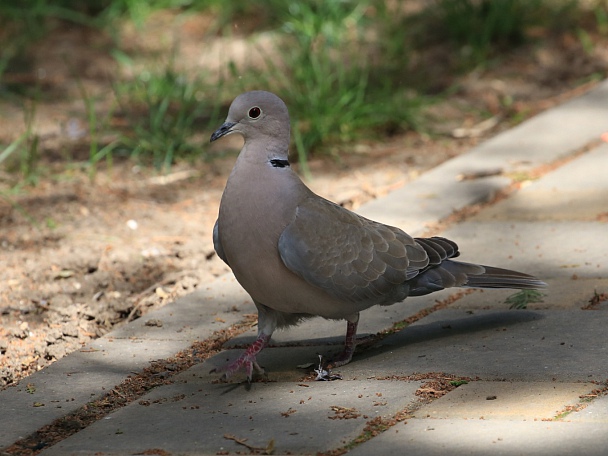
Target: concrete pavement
<point>528,381</point>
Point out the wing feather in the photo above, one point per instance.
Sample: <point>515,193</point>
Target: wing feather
<point>217,243</point>
<point>349,256</point>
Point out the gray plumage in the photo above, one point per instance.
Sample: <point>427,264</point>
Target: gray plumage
<point>299,255</point>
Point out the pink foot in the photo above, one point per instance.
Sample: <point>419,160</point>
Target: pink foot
<point>246,360</point>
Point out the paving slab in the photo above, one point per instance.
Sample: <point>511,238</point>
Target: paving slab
<point>87,374</point>
<point>576,191</point>
<point>428,437</point>
<point>219,304</point>
<point>543,139</point>
<point>506,401</point>
<point>515,345</point>
<point>196,416</point>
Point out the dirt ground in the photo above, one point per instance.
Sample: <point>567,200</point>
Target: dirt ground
<point>78,258</point>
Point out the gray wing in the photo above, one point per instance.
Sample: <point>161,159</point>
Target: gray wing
<point>351,257</point>
<point>217,244</point>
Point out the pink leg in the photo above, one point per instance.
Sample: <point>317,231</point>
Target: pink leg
<point>247,359</point>
<point>349,345</point>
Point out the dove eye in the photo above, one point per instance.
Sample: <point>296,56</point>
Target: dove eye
<point>255,112</point>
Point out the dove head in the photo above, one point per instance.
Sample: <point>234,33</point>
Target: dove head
<point>257,116</point>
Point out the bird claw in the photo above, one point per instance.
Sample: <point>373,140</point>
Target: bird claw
<point>349,350</point>
<point>343,358</point>
<point>246,359</point>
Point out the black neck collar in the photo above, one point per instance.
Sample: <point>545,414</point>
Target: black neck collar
<point>279,163</point>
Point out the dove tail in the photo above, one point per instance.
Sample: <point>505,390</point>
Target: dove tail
<point>494,277</point>
<point>452,273</point>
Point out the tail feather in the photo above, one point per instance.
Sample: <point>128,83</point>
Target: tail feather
<point>503,278</point>
<point>452,273</point>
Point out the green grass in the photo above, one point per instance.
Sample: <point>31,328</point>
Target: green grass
<point>522,298</point>
<point>479,26</point>
<point>323,72</point>
<point>164,110</point>
<point>22,155</point>
<point>481,29</point>
<point>96,127</point>
<point>22,23</point>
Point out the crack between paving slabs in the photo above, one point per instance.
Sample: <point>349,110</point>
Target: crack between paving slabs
<point>438,384</point>
<point>584,402</point>
<point>517,182</point>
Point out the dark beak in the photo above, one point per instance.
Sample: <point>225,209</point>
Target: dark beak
<point>222,131</point>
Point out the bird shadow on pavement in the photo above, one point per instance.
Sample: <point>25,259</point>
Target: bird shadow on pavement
<point>450,325</point>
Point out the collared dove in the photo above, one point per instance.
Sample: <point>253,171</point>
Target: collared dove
<point>299,255</point>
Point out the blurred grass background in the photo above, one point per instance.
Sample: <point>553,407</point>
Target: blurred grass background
<point>347,69</point>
